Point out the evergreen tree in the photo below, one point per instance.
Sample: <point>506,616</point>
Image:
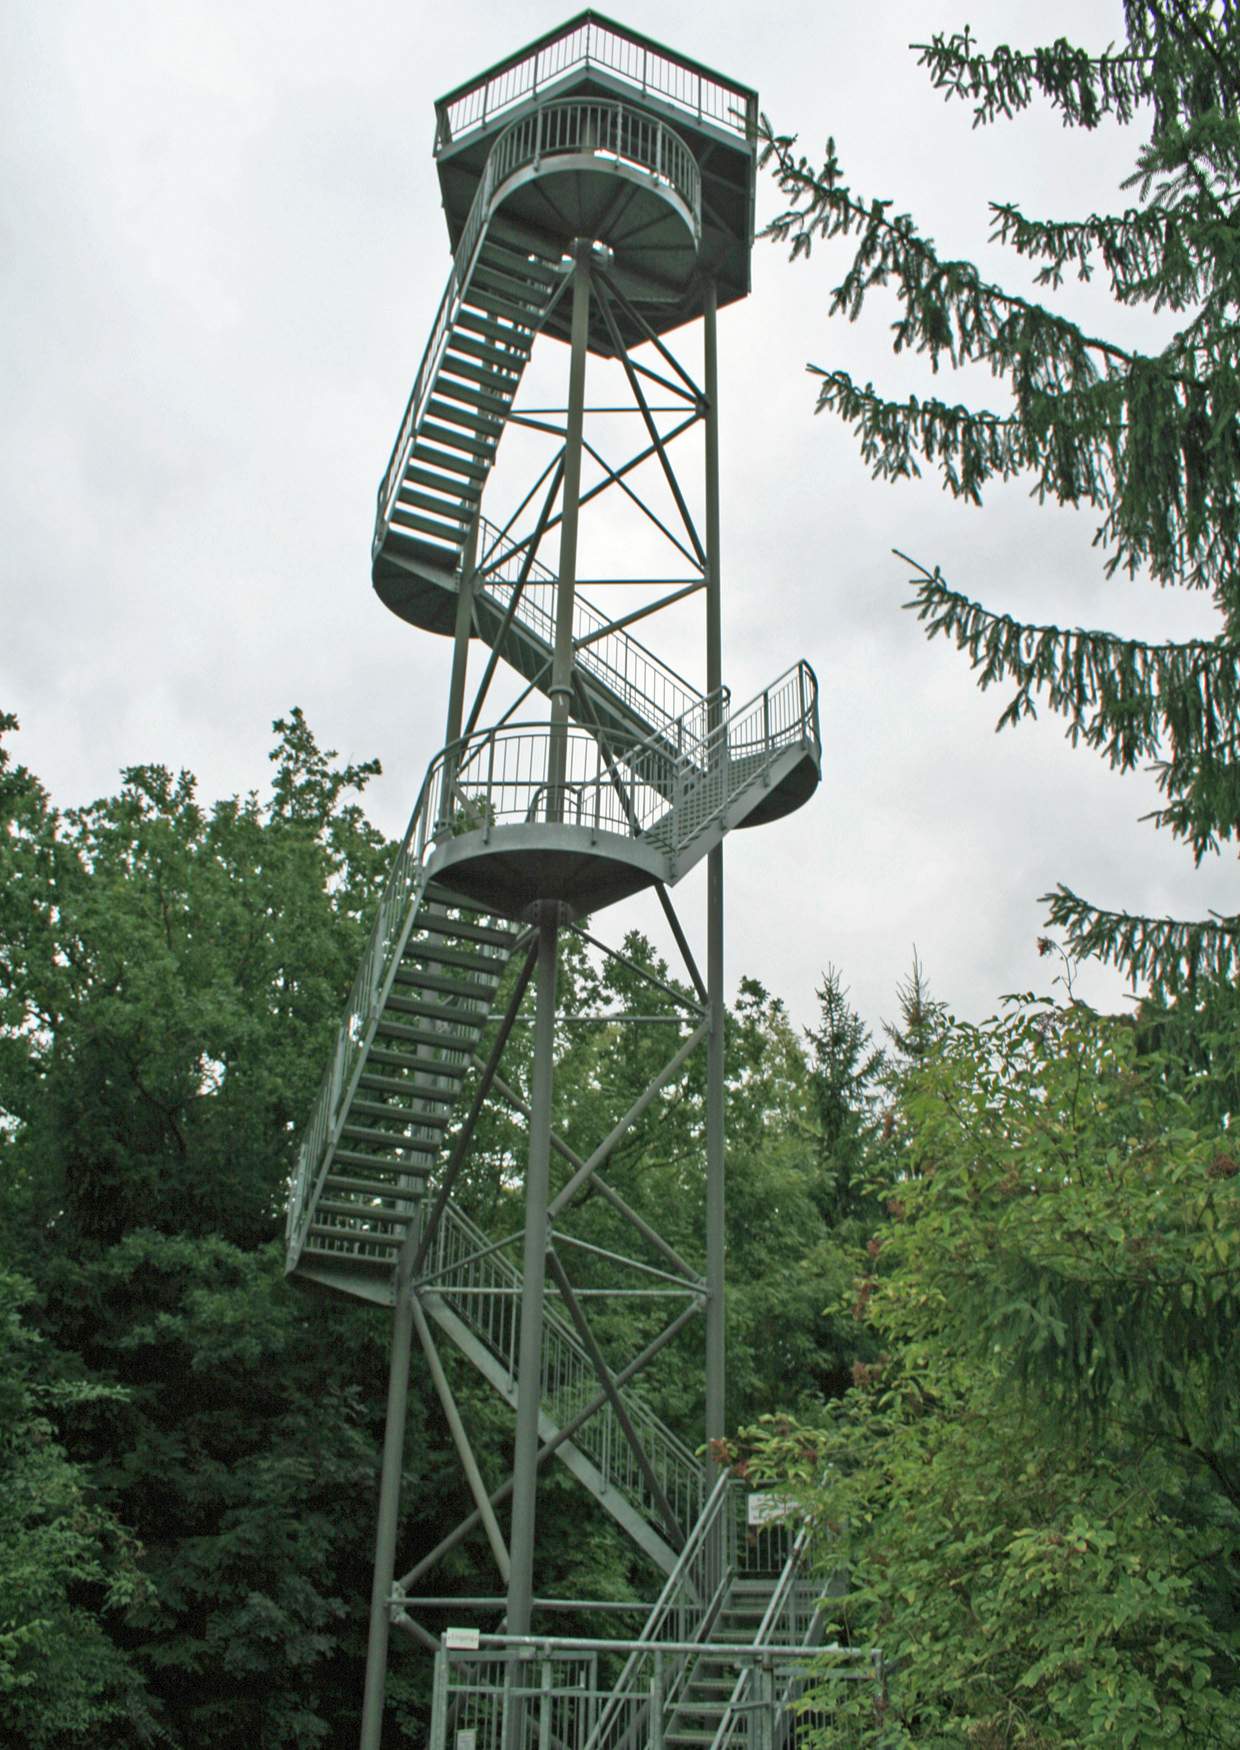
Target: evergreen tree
<point>1150,442</point>
<point>845,1076</point>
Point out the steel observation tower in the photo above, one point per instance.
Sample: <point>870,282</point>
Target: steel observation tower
<point>599,197</point>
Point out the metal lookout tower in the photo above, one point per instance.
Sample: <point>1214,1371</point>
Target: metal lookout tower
<point>599,196</point>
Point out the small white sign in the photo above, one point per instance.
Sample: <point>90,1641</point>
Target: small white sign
<point>768,1506</point>
<point>461,1640</point>
<point>467,1739</point>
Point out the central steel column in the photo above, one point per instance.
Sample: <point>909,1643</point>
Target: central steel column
<point>561,688</point>
<point>389,1508</point>
<point>716,1324</point>
<point>529,1362</point>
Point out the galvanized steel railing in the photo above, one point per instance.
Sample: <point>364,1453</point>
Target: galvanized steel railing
<point>600,128</point>
<point>591,40</point>
<point>365,1003</point>
<point>652,691</point>
<point>543,1693</point>
<point>686,1607</point>
<point>606,130</point>
<point>481,1285</point>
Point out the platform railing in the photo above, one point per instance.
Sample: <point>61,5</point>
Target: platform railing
<point>481,1285</point>
<point>544,1693</point>
<point>592,40</point>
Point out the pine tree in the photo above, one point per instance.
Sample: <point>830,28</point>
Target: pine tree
<point>1150,442</point>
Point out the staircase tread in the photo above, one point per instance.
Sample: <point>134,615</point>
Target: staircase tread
<point>399,1114</point>
<point>464,1042</point>
<point>352,1157</point>
<point>367,1187</point>
<point>322,1231</point>
<point>418,1065</point>
<point>334,1206</point>
<point>465,490</point>
<point>447,459</point>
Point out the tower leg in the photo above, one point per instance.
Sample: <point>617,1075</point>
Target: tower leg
<point>389,1506</point>
<point>716,1351</point>
<point>537,1183</point>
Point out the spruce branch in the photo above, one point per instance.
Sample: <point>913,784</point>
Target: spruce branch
<point>1130,701</point>
<point>1169,954</point>
<point>1180,59</point>
<point>1084,88</point>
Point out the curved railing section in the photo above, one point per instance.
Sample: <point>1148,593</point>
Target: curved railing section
<point>601,128</point>
<point>482,1287</point>
<point>605,130</point>
<point>669,787</point>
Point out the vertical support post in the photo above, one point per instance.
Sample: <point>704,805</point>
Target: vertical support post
<point>529,1361</point>
<point>715,1139</point>
<point>461,633</point>
<point>561,688</point>
<point>389,1507</point>
<point>460,660</point>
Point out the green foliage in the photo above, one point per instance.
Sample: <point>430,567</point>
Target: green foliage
<point>68,1567</point>
<point>1150,442</point>
<point>171,976</point>
<point>1034,1491</point>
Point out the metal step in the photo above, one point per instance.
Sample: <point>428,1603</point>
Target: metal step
<point>465,490</point>
<point>516,341</point>
<point>368,1188</point>
<point>431,1066</point>
<point>489,964</point>
<point>399,1114</point>
<point>465,1042</point>
<point>364,1212</point>
<point>448,460</point>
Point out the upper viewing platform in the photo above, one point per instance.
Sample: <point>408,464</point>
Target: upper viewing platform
<point>596,132</point>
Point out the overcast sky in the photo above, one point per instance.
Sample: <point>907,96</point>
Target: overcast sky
<point>222,252</point>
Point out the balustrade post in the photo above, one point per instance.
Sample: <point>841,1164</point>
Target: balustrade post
<point>656,1737</point>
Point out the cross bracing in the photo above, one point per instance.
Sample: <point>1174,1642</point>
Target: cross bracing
<point>610,214</point>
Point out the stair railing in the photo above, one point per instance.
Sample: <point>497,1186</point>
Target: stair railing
<point>683,1615</point>
<point>741,749</point>
<point>786,1622</point>
<point>481,1285</point>
<point>652,691</point>
<point>600,127</point>
<point>380,958</point>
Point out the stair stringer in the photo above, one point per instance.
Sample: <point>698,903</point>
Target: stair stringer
<point>497,1375</point>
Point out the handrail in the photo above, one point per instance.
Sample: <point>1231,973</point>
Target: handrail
<point>590,39</point>
<point>640,679</point>
<point>686,1607</point>
<point>478,1282</point>
<point>602,127</point>
<point>782,1606</point>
